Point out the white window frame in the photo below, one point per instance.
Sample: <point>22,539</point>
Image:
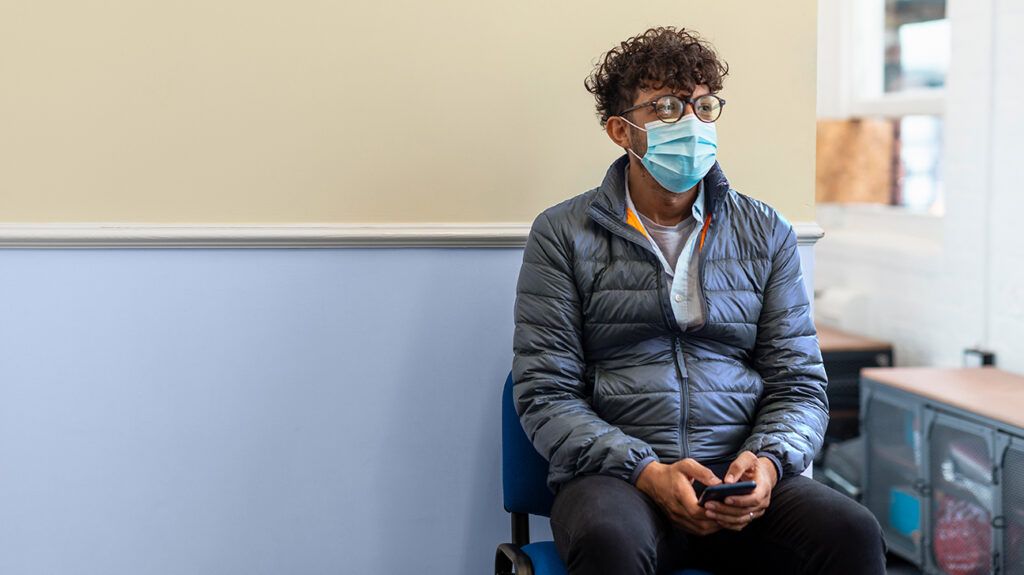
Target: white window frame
<point>851,66</point>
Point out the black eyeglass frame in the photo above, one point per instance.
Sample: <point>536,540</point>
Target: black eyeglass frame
<point>684,101</point>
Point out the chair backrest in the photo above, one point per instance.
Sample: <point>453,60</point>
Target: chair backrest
<point>523,471</point>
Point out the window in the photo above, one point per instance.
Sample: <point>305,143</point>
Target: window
<point>916,44</point>
<point>883,66</point>
<point>919,166</point>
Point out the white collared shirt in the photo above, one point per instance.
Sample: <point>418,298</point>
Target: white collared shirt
<point>683,274</point>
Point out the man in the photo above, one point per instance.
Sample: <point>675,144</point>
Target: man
<point>664,342</point>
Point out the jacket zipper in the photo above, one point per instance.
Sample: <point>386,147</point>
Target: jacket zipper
<point>684,393</point>
<point>684,399</point>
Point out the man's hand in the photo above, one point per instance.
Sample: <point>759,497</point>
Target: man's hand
<point>671,487</point>
<point>738,511</point>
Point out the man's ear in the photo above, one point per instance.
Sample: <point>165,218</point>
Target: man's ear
<point>618,130</point>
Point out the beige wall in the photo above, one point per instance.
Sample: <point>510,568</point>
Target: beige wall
<point>237,111</point>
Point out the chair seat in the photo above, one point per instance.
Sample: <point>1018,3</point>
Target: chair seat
<point>545,558</point>
<point>546,561</point>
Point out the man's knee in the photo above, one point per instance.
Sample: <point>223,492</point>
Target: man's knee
<point>613,545</point>
<point>851,533</point>
<point>609,533</point>
<point>859,528</point>
<point>832,529</point>
<point>604,525</point>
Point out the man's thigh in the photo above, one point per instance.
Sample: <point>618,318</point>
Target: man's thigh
<point>807,528</point>
<point>596,516</point>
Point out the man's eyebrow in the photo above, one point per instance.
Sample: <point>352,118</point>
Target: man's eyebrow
<point>653,98</point>
<point>690,95</point>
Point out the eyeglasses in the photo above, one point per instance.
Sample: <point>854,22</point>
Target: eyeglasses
<point>670,109</point>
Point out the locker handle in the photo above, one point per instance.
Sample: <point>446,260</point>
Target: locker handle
<point>921,486</point>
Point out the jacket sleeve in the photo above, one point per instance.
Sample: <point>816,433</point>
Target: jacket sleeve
<point>793,411</point>
<point>548,371</point>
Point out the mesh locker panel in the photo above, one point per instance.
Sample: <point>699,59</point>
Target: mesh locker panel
<point>961,510</point>
<point>1013,511</point>
<point>893,435</point>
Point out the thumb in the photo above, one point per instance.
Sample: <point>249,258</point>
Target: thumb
<point>739,466</point>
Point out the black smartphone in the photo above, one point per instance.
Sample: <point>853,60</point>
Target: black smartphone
<point>722,490</point>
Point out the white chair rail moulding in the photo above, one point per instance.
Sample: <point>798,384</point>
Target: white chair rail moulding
<point>117,235</point>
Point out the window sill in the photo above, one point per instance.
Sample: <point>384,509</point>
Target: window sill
<point>882,236</point>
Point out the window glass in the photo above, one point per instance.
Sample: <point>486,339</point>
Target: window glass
<point>916,44</point>
<point>919,176</point>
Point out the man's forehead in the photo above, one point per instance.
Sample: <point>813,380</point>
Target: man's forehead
<point>647,93</point>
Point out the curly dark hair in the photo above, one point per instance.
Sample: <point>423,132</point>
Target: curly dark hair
<point>663,57</point>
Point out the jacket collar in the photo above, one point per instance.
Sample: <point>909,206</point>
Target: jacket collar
<point>609,204</point>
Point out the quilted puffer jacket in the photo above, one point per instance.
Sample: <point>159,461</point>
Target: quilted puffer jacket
<point>606,381</point>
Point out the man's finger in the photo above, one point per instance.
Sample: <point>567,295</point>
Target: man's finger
<point>724,510</point>
<point>685,522</point>
<point>735,523</point>
<point>685,503</point>
<point>695,470</point>
<point>720,517</point>
<point>760,496</point>
<point>693,509</point>
<point>728,522</point>
<point>708,527</point>
<point>686,497</point>
<point>708,530</point>
<point>739,466</point>
<point>756,498</point>
<point>682,518</point>
<point>699,527</point>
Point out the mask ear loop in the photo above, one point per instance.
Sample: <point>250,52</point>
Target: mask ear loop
<point>632,124</point>
<point>630,150</point>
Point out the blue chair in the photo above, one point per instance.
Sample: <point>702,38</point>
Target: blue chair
<point>524,485</point>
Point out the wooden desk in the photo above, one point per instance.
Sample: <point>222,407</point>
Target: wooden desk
<point>844,355</point>
<point>834,340</point>
<point>984,391</point>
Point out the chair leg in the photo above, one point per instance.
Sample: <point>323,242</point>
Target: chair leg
<point>521,529</point>
<point>510,555</point>
<point>502,563</point>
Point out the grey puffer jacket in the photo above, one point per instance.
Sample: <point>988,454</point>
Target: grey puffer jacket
<point>605,380</point>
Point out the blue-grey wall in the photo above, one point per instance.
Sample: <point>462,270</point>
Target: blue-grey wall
<point>252,411</point>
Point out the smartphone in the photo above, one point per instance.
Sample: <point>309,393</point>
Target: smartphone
<point>722,490</point>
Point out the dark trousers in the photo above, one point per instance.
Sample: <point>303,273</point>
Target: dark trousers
<point>605,525</point>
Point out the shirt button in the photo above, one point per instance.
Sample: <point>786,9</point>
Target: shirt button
<point>679,298</point>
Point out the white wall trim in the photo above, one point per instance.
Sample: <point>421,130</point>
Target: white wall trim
<point>261,236</point>
<point>112,235</point>
<point>808,233</point>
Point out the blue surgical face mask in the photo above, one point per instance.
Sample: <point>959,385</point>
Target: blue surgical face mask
<point>680,154</point>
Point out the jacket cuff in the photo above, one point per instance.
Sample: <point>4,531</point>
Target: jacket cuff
<point>640,468</point>
<point>775,461</point>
